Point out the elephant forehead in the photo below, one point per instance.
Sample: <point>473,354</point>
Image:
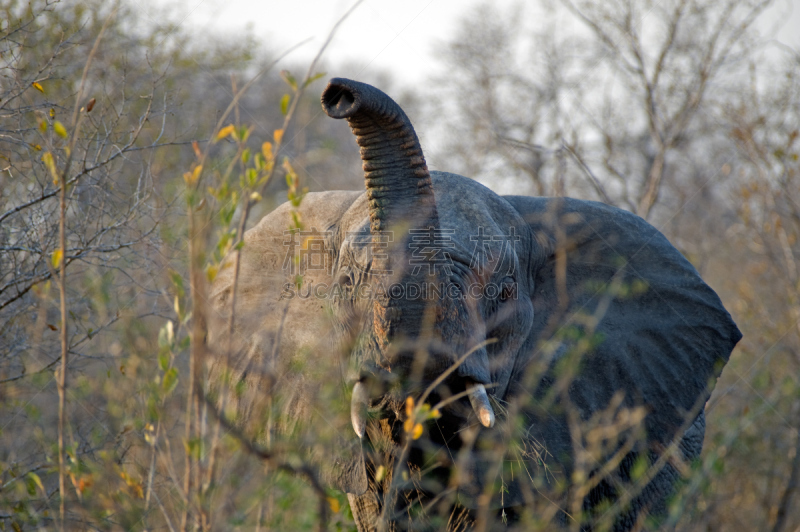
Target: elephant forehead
<point>463,202</point>
<point>474,218</point>
<point>466,238</point>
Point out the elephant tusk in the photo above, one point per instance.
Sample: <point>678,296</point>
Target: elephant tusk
<point>358,409</point>
<point>480,404</point>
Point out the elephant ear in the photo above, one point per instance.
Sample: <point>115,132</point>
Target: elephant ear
<point>271,259</point>
<point>657,332</point>
<point>281,345</point>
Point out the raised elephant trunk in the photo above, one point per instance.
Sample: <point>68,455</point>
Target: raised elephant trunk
<point>399,188</point>
<point>397,178</point>
<point>400,196</point>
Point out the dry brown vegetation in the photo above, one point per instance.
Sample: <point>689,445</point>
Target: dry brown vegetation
<point>133,155</point>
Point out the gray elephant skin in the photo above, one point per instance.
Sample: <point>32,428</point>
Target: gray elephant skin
<point>570,347</point>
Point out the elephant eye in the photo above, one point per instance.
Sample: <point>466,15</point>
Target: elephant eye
<point>508,289</point>
<point>344,280</point>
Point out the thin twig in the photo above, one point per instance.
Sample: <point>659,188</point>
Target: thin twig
<point>62,285</point>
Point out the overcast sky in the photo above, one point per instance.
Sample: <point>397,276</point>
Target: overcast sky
<point>398,36</point>
<point>395,36</point>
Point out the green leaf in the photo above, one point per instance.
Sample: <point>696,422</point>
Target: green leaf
<point>258,160</point>
<point>170,380</point>
<point>163,359</point>
<point>284,104</point>
<point>194,448</point>
<point>223,241</point>
<point>640,467</point>
<point>289,79</point>
<point>177,281</point>
<point>313,78</point>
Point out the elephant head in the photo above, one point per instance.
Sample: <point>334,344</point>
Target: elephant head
<point>566,342</point>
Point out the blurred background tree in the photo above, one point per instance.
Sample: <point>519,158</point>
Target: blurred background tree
<point>679,111</point>
<point>151,97</point>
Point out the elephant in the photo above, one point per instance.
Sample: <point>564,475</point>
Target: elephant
<point>503,359</point>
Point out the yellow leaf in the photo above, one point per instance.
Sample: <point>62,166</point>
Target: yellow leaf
<point>380,473</point>
<point>334,504</point>
<point>255,196</point>
<point>408,425</point>
<point>56,258</point>
<point>417,432</point>
<point>266,149</point>
<point>284,104</point>
<point>50,163</point>
<point>38,86</point>
<point>52,112</point>
<point>60,130</point>
<point>36,147</point>
<point>192,177</point>
<point>278,136</point>
<point>225,131</point>
<point>211,273</point>
<point>409,406</point>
